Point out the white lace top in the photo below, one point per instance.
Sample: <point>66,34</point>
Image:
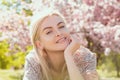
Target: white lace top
<point>84,59</point>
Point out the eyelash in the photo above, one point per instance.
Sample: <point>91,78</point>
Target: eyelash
<point>48,32</point>
<point>61,27</point>
<point>51,31</point>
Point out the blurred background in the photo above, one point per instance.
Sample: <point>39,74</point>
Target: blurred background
<point>95,22</point>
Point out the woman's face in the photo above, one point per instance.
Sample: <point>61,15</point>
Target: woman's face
<point>54,35</point>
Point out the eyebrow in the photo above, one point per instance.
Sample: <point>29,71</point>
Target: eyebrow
<point>60,23</point>
<point>51,27</point>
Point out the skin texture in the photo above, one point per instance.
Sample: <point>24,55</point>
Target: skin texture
<point>54,39</point>
<point>53,29</point>
<point>58,46</point>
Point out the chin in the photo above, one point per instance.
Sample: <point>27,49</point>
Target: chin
<point>62,47</point>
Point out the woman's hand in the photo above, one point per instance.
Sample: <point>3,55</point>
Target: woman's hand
<point>91,75</point>
<point>73,70</point>
<point>73,46</point>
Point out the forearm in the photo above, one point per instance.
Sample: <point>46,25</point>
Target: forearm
<point>73,71</point>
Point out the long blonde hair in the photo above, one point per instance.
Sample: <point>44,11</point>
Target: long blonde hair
<point>34,33</point>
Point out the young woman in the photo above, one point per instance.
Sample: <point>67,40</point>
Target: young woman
<point>57,55</point>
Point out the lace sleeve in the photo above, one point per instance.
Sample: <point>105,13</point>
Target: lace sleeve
<point>32,69</point>
<point>86,62</point>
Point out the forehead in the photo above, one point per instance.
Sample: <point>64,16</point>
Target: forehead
<point>51,21</point>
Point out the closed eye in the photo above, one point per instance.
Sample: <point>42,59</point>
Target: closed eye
<point>48,32</point>
<point>61,27</point>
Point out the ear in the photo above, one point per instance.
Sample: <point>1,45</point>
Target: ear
<point>39,45</point>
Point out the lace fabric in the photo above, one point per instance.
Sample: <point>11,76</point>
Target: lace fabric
<point>85,60</point>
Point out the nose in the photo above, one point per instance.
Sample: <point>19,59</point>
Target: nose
<point>58,33</point>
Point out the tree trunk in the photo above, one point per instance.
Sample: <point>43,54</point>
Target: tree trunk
<point>116,62</point>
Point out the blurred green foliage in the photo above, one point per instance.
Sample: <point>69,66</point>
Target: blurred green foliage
<point>109,65</point>
<point>10,58</point>
<point>28,12</point>
<point>4,57</point>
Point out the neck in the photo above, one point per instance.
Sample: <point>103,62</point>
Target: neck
<point>56,60</point>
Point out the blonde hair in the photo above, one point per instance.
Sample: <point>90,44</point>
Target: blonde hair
<point>34,33</point>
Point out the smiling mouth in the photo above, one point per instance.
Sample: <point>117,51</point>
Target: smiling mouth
<point>61,40</point>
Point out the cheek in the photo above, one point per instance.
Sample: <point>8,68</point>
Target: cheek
<point>47,43</point>
<point>46,40</point>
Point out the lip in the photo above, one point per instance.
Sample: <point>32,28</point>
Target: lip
<point>63,38</point>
